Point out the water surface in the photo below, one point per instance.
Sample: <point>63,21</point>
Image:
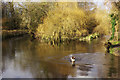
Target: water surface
<point>26,58</point>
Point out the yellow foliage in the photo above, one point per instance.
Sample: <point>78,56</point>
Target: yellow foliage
<point>66,20</point>
<point>102,17</point>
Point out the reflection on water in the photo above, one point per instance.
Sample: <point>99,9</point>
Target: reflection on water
<point>23,58</point>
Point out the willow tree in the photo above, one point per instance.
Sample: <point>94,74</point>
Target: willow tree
<point>65,21</point>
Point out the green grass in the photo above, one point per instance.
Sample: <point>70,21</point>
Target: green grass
<point>89,37</point>
<point>116,42</point>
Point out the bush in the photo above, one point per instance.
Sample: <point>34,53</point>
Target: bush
<point>104,27</point>
<point>66,20</point>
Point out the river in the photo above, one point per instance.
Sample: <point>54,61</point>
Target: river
<point>26,58</point>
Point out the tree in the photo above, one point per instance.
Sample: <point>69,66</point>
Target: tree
<point>33,14</point>
<point>10,14</point>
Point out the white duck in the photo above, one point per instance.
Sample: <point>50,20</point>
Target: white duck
<point>73,60</point>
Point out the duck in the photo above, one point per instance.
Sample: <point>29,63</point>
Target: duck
<point>73,60</point>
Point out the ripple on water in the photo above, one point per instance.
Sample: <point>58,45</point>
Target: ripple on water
<point>81,58</point>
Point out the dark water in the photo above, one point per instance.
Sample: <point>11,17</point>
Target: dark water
<point>24,58</point>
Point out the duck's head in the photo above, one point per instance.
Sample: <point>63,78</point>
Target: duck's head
<point>73,57</point>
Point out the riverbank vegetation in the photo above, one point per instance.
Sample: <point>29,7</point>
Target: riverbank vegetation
<point>58,21</point>
<point>66,21</point>
<point>13,33</point>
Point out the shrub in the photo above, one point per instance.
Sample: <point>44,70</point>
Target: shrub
<point>66,20</point>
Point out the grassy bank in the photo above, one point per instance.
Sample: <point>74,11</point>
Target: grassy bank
<point>13,33</point>
<point>115,51</point>
<point>113,47</point>
<point>89,37</point>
